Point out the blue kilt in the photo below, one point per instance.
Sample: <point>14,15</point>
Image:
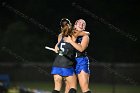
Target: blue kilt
<point>82,63</point>
<point>63,71</point>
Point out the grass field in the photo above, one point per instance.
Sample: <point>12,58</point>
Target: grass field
<point>96,88</point>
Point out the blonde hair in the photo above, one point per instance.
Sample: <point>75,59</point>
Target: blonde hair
<point>83,22</point>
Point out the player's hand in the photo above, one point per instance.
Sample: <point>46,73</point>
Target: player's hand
<point>86,33</point>
<point>56,49</point>
<point>83,33</point>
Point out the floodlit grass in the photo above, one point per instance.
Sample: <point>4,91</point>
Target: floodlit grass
<point>34,85</point>
<point>96,88</point>
<point>108,88</point>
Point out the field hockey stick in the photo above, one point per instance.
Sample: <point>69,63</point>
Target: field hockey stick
<point>49,48</point>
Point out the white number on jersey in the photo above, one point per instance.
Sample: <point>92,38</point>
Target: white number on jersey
<point>61,46</point>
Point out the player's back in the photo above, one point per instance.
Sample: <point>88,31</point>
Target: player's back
<point>66,55</point>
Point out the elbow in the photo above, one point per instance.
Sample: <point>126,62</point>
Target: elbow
<point>87,33</point>
<point>81,50</point>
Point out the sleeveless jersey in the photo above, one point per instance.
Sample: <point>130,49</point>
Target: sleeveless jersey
<point>80,54</point>
<point>66,55</point>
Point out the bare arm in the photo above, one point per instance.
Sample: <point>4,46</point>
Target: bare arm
<point>56,46</point>
<point>82,33</point>
<point>82,46</point>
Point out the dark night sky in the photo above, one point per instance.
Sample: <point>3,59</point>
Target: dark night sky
<point>21,37</point>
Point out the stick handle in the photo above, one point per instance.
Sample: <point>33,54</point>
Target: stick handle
<point>49,48</point>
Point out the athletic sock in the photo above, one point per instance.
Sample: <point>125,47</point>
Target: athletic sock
<point>72,90</point>
<point>88,91</point>
<point>55,91</point>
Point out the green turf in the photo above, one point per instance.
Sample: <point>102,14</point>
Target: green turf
<point>96,88</point>
<point>108,88</point>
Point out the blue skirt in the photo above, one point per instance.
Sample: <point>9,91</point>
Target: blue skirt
<point>63,71</point>
<point>82,63</point>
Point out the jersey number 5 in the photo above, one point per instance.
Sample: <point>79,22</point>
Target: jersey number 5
<point>61,47</point>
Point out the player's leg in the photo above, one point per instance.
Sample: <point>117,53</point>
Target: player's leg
<point>83,72</point>
<point>72,82</point>
<point>83,78</point>
<point>67,87</point>
<point>57,83</point>
<point>55,91</point>
<point>88,91</point>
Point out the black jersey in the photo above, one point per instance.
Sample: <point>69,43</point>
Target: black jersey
<point>78,53</point>
<point>66,55</point>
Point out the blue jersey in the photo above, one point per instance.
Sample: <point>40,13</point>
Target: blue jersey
<point>82,61</point>
<point>80,54</point>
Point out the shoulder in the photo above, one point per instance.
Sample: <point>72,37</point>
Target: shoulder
<point>86,36</point>
<point>60,35</point>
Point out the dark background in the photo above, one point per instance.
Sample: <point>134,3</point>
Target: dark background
<point>21,39</point>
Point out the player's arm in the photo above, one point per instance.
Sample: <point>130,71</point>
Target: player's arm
<point>82,46</point>
<point>56,46</point>
<point>82,33</point>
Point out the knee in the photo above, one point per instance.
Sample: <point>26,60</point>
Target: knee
<point>87,92</point>
<point>72,90</point>
<point>57,79</point>
<point>55,91</point>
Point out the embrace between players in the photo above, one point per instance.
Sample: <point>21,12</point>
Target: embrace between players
<point>71,63</point>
